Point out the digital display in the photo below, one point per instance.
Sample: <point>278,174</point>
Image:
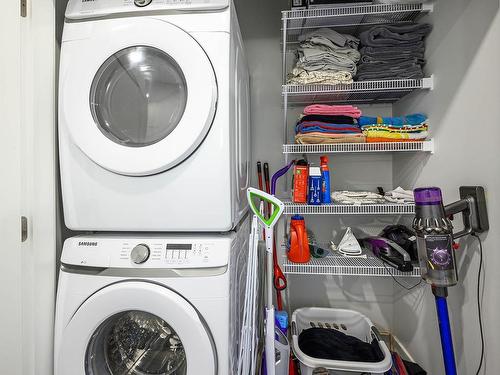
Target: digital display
<point>179,246</point>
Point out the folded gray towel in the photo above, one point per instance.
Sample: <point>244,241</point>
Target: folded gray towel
<point>393,58</point>
<point>311,59</point>
<point>391,61</point>
<point>406,73</point>
<point>341,52</point>
<point>418,47</point>
<point>335,39</point>
<point>394,35</point>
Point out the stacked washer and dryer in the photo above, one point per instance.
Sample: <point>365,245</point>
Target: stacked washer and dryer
<point>154,156</point>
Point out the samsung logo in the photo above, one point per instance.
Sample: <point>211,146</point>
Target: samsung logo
<point>87,243</point>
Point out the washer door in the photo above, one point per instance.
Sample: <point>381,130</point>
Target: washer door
<point>136,328</point>
<point>138,97</point>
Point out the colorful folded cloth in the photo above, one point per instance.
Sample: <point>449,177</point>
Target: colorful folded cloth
<point>396,129</point>
<point>357,198</point>
<point>324,109</point>
<point>413,119</point>
<point>385,140</point>
<point>325,138</point>
<point>330,119</point>
<point>316,126</point>
<point>300,76</point>
<point>382,134</point>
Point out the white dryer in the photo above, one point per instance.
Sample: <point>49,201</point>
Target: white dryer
<point>150,305</point>
<point>153,116</point>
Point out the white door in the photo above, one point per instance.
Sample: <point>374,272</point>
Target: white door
<point>27,268</point>
<point>11,350</point>
<point>134,101</point>
<point>136,328</point>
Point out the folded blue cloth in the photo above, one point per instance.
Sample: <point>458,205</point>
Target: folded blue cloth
<point>325,127</point>
<point>413,119</point>
<point>319,129</point>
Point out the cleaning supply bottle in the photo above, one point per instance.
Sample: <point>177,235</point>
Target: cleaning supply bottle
<point>299,243</point>
<point>325,180</point>
<point>300,178</point>
<point>314,194</point>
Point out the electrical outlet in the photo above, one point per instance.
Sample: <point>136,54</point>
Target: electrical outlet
<point>479,221</point>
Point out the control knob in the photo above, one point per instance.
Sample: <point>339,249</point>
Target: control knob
<point>139,254</point>
<point>142,3</point>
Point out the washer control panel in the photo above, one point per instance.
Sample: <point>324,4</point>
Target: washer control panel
<point>81,9</point>
<point>147,252</point>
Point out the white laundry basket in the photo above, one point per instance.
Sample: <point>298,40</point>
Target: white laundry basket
<point>347,321</point>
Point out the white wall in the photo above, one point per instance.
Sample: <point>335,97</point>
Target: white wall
<point>464,110</point>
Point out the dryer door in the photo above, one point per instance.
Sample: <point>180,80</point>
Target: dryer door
<point>137,97</point>
<point>136,328</point>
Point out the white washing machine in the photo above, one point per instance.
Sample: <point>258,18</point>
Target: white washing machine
<point>150,305</point>
<point>153,116</point>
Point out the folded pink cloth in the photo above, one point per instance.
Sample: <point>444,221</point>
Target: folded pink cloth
<point>324,109</point>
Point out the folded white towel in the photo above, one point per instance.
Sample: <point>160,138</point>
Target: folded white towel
<point>400,195</point>
<point>357,197</point>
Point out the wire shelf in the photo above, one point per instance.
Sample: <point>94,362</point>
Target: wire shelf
<point>338,265</point>
<point>345,209</point>
<point>350,18</point>
<point>415,146</point>
<point>362,92</point>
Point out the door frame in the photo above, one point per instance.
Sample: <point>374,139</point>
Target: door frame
<point>30,117</point>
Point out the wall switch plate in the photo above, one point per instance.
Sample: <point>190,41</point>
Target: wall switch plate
<point>479,222</point>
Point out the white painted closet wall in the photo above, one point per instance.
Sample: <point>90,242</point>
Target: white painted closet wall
<point>464,110</point>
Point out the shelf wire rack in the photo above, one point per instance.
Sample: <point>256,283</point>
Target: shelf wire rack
<point>414,146</point>
<point>292,208</point>
<point>349,18</point>
<point>361,92</point>
<point>338,265</point>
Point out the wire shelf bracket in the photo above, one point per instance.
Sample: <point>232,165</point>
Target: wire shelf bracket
<point>337,265</point>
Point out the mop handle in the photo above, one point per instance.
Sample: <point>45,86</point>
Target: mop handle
<point>278,174</point>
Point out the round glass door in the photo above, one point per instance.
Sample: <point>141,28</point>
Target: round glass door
<point>136,103</point>
<point>138,96</point>
<point>135,343</point>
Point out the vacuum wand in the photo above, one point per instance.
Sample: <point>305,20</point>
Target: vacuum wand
<point>436,253</point>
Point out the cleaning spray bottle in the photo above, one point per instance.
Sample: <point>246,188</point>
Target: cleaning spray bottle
<point>325,180</point>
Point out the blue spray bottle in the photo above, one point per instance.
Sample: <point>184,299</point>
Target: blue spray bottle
<point>325,180</point>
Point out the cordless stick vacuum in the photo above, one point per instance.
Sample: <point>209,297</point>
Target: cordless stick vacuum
<point>436,251</point>
<point>254,196</point>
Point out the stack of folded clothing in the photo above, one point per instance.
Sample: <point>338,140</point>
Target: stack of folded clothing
<point>325,57</point>
<point>393,52</point>
<point>400,195</point>
<point>357,198</point>
<point>323,124</point>
<point>394,129</point>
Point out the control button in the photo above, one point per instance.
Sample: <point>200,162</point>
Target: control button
<point>142,3</point>
<point>139,254</point>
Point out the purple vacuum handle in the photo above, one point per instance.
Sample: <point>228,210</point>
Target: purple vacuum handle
<point>278,174</point>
